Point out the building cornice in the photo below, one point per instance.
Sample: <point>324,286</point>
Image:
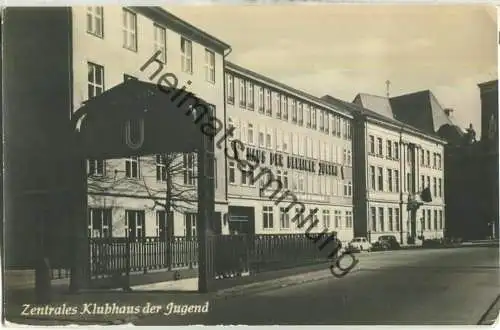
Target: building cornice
<point>257,77</point>
<point>405,129</point>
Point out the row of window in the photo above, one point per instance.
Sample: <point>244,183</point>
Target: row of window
<point>291,142</point>
<point>286,107</point>
<point>425,160</point>
<point>95,26</point>
<point>100,224</point>
<point>132,168</point>
<point>379,218</point>
<point>392,148</point>
<point>388,180</point>
<point>325,219</point>
<point>427,222</point>
<point>376,148</point>
<point>294,181</point>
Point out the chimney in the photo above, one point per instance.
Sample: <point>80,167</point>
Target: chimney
<point>448,111</point>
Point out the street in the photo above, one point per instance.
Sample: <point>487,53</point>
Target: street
<point>419,287</point>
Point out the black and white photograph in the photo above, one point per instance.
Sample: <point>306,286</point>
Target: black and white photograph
<point>250,163</point>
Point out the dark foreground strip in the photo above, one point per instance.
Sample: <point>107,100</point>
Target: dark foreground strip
<point>491,314</point>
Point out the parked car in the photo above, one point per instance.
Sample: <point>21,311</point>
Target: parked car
<point>386,242</point>
<point>360,244</point>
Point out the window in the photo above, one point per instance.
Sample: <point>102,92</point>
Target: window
<point>190,225</point>
<point>268,141</point>
<point>230,88</point>
<point>284,108</point>
<point>294,111</point>
<point>381,218</point>
<point>267,217</point>
<point>373,213</point>
<point>186,55</point>
<point>278,105</point>
<point>428,154</point>
<point>250,96</point>
<point>389,179</point>
<point>434,161</point>
<point>372,178</point>
<point>161,225</point>
<point>95,80</point>
<point>396,218</point>
<point>422,158</point>
<point>396,150</point>
<point>95,167</point>
<point>135,226</point>
<point>321,120</point>
<point>429,182</point>
<point>441,225</point>
<point>396,180</point>
<point>243,93</point>
<point>209,66</point>
<point>261,139</point>
<point>132,167</point>
<point>129,30</point>
<point>99,223</point>
<point>429,219</point>
<point>439,161</point>
<point>372,144</point>
<point>435,219</point>
<point>161,168</point>
<point>440,187</point>
<point>349,133</point>
<point>313,118</point>
<point>348,219</point>
<point>307,114</point>
<point>232,172</point>
<point>391,223</point>
<point>380,148</point>
<point>338,218</point>
<point>326,219</point>
<point>339,131</point>
<point>261,99</point>
<point>189,169</point>
<point>389,149</point>
<point>422,180</point>
<point>423,220</point>
<point>380,179</point>
<point>95,21</point>
<point>250,133</point>
<point>160,42</point>
<point>269,104</point>
<point>434,181</point>
<point>409,182</point>
<point>284,218</point>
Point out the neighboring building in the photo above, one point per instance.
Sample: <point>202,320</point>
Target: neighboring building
<point>305,142</point>
<point>420,110</point>
<point>394,163</point>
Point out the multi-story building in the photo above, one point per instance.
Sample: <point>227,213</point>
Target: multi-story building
<point>393,164</point>
<point>305,142</point>
<point>86,51</point>
<point>112,44</point>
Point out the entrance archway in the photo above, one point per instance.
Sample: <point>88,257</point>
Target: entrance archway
<point>137,118</point>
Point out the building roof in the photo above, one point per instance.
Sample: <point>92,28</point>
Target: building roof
<point>356,108</point>
<point>182,27</point>
<point>232,66</point>
<point>419,109</point>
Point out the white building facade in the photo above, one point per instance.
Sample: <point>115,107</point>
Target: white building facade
<point>307,145</point>
<point>112,44</point>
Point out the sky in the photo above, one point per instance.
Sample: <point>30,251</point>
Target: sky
<point>343,50</point>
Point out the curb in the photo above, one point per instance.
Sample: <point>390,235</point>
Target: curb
<point>491,315</point>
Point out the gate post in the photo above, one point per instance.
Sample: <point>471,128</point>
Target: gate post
<point>206,210</point>
<point>80,272</point>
